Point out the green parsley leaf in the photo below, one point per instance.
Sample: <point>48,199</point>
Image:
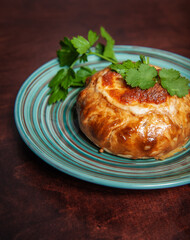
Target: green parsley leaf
<point>57,95</point>
<point>142,77</point>
<point>119,68</point>
<point>123,68</point>
<point>173,82</point>
<point>168,74</point>
<point>128,64</point>
<point>68,78</point>
<point>147,75</point>
<point>108,51</point>
<point>99,48</point>
<point>82,74</point>
<point>133,77</point>
<point>81,44</point>
<point>68,53</point>
<point>92,37</point>
<point>57,92</point>
<point>177,86</point>
<point>58,78</point>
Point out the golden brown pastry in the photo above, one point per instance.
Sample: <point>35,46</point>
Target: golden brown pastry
<point>131,122</point>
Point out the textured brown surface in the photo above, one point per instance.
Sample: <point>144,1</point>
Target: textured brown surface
<point>39,202</point>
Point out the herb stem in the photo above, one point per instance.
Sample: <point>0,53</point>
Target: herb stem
<point>98,55</point>
<point>103,57</point>
<point>72,65</point>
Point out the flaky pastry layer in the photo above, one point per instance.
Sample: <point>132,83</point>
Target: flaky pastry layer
<point>131,122</point>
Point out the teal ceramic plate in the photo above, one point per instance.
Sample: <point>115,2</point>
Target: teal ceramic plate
<point>52,132</point>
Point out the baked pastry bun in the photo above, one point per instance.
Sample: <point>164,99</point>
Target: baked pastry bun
<point>131,122</point>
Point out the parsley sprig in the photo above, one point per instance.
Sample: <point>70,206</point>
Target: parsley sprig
<point>136,74</point>
<point>174,83</point>
<point>141,74</point>
<point>74,50</point>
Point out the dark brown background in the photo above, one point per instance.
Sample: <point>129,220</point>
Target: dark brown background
<point>36,200</point>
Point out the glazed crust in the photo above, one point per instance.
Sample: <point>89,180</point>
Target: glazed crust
<point>131,122</point>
